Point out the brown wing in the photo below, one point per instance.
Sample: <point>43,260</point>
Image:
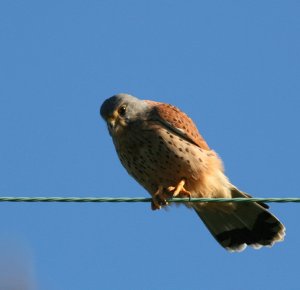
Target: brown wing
<point>177,121</point>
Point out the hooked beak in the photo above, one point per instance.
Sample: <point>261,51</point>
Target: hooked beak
<point>111,124</point>
<point>115,124</point>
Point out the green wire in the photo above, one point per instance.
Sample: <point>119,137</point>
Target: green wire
<point>142,199</point>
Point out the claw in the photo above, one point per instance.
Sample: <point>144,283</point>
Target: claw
<point>159,199</point>
<point>179,190</point>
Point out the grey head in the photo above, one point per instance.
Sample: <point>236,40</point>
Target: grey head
<point>120,110</point>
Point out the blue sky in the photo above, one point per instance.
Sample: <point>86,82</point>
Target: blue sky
<point>233,66</point>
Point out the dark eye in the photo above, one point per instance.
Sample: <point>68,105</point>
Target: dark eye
<point>122,111</point>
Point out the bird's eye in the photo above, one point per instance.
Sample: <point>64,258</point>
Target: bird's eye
<point>122,111</point>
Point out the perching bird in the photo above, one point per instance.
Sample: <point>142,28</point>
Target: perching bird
<point>161,148</point>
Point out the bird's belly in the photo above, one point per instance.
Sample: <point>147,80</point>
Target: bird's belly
<point>163,160</point>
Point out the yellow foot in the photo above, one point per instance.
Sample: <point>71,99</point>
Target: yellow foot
<point>159,198</point>
<point>179,190</point>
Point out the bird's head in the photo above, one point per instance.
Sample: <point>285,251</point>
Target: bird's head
<point>120,110</point>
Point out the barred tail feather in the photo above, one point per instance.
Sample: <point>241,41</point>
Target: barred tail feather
<point>240,224</point>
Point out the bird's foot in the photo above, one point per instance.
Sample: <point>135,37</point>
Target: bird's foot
<point>159,198</point>
<point>179,190</point>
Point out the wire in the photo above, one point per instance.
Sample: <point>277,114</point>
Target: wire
<point>143,199</point>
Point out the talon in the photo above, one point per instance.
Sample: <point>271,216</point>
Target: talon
<point>159,199</point>
<point>155,205</point>
<point>179,190</point>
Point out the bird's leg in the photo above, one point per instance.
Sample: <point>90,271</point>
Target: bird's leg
<point>159,198</point>
<point>179,190</point>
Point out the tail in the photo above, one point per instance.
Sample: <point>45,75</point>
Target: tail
<point>237,225</point>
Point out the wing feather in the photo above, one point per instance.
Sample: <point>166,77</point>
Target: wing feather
<point>177,121</point>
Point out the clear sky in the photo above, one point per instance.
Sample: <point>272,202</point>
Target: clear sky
<point>233,66</point>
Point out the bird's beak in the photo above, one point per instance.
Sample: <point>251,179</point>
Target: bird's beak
<point>112,122</point>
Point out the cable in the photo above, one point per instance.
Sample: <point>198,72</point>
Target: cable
<point>143,199</point>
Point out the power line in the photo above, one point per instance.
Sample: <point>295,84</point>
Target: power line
<point>144,199</point>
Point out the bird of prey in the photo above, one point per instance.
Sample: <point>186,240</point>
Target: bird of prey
<point>161,148</point>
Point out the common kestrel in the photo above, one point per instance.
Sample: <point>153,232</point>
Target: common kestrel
<point>161,148</point>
